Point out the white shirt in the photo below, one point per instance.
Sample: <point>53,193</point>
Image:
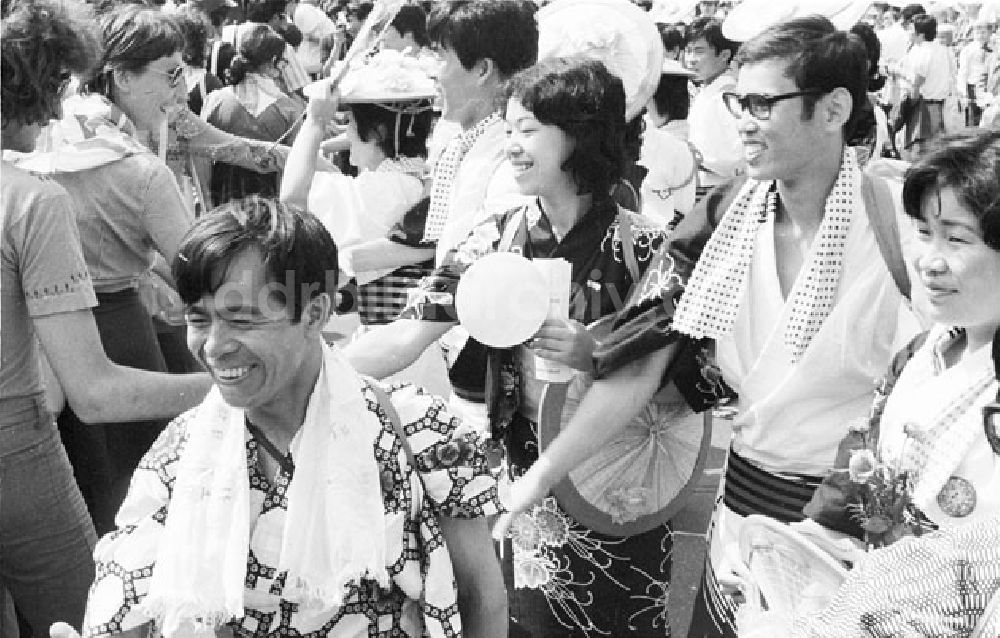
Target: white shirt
<point>359,209</point>
<point>972,68</point>
<point>715,133</point>
<point>314,25</point>
<point>793,416</point>
<point>484,184</point>
<point>895,42</point>
<point>931,61</point>
<point>923,391</point>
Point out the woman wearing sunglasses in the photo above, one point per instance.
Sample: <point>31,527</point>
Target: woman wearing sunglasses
<point>46,534</point>
<point>128,209</point>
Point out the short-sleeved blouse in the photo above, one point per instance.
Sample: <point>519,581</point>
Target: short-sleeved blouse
<point>42,272</point>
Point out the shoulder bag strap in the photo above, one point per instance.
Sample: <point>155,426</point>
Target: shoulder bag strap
<point>397,424</point>
<point>516,220</point>
<point>628,245</point>
<point>882,216</point>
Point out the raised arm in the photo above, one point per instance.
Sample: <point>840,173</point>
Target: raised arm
<point>301,165</point>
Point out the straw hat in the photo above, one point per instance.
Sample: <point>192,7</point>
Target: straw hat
<point>387,77</point>
<point>616,32</point>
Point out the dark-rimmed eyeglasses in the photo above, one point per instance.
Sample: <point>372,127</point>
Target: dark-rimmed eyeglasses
<point>173,76</point>
<point>757,104</point>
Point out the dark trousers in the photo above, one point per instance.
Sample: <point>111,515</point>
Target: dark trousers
<point>104,455</point>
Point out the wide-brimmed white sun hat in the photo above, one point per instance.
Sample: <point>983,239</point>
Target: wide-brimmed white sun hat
<point>616,32</point>
<point>750,18</point>
<point>389,76</point>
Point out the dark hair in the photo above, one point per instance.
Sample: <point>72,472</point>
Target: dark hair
<point>219,60</point>
<point>290,34</point>
<point>265,11</point>
<point>361,11</point>
<point>195,27</point>
<point>412,19</point>
<point>968,162</point>
<point>819,57</point>
<point>911,11</point>
<point>873,49</point>
<point>926,26</point>
<point>587,102</point>
<point>500,30</point>
<point>672,38</point>
<point>41,42</point>
<point>383,123</point>
<point>298,252</point>
<point>134,36</point>
<point>261,46</point>
<point>711,30</point>
<point>672,98</point>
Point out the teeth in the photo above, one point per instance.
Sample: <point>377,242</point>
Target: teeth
<point>752,151</point>
<point>231,374</point>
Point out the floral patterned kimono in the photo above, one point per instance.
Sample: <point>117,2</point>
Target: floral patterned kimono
<point>563,579</point>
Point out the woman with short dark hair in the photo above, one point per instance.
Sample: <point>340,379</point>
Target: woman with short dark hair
<point>569,144</point>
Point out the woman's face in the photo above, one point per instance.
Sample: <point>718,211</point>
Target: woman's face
<point>537,153</point>
<point>959,272</point>
<point>154,93</point>
<point>363,155</point>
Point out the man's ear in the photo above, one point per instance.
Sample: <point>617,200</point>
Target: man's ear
<point>122,81</point>
<point>317,312</point>
<point>485,69</point>
<point>835,108</point>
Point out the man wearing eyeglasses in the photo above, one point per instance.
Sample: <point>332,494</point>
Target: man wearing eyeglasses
<point>783,272</point>
<point>791,286</point>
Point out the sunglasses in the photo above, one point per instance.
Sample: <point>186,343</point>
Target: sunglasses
<point>758,105</point>
<point>173,76</point>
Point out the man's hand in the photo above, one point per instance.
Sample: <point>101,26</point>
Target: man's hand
<point>565,341</point>
<point>525,492</point>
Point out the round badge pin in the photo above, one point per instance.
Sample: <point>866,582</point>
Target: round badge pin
<point>957,498</point>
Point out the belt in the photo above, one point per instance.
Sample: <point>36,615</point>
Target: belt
<point>933,101</point>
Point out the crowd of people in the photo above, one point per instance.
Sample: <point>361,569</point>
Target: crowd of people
<point>244,392</point>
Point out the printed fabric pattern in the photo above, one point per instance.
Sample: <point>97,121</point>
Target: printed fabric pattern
<point>451,479</point>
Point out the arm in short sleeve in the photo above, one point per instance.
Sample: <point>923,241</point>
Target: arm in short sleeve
<point>450,458</point>
<point>54,275</point>
<point>434,297</point>
<point>167,218</point>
